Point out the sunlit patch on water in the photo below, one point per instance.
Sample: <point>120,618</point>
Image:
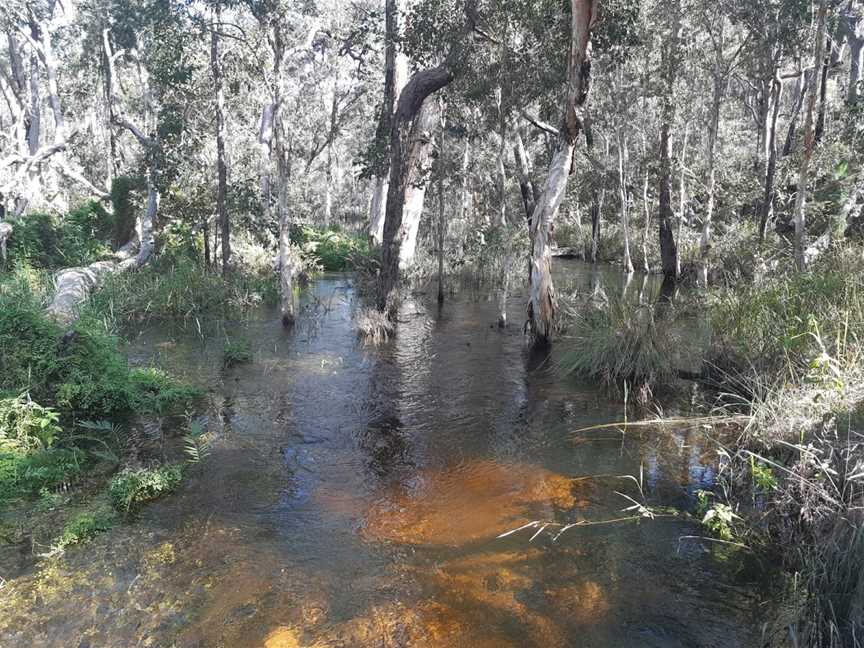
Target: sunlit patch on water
<point>469,502</point>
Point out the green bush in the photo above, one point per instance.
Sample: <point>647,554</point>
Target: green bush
<point>26,426</point>
<point>332,249</point>
<point>86,526</point>
<point>131,489</point>
<point>124,207</point>
<point>153,391</point>
<point>784,319</point>
<point>48,241</point>
<point>181,292</point>
<point>237,352</point>
<point>620,343</point>
<point>28,342</point>
<point>24,475</point>
<point>82,373</point>
<point>92,376</point>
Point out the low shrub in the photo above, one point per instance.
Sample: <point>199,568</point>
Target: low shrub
<point>85,526</point>
<point>620,343</point>
<point>24,475</point>
<point>74,239</point>
<point>332,249</point>
<point>153,391</point>
<point>82,373</point>
<point>26,426</point>
<point>131,489</point>
<point>237,352</point>
<point>181,292</point>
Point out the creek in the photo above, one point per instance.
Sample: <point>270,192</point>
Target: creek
<point>354,495</point>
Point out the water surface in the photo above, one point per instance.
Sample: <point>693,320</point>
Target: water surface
<point>354,495</point>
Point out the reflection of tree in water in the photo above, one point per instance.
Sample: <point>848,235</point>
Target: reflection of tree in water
<point>385,446</point>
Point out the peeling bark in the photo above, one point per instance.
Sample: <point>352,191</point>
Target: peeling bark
<point>542,306</point>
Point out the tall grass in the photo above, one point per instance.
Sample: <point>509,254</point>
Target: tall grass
<point>180,292</point>
<point>622,343</point>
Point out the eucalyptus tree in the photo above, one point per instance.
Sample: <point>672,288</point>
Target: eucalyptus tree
<point>542,306</point>
<point>28,82</point>
<point>395,76</point>
<point>809,143</point>
<point>722,57</point>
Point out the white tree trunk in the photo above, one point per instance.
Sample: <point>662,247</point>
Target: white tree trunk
<point>542,298</point>
<point>622,192</point>
<point>378,210</point>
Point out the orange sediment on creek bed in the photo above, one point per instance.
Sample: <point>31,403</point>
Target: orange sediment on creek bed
<point>469,503</point>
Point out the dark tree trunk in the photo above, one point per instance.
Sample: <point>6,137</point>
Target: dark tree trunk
<point>668,248</point>
<point>800,92</point>
<point>767,207</point>
<point>414,117</point>
<point>221,169</point>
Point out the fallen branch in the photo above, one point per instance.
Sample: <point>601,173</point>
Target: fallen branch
<point>74,285</point>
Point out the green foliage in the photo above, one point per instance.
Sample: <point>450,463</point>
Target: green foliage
<point>180,244</point>
<point>782,320</point>
<point>181,292</point>
<point>28,341</point>
<point>237,352</point>
<point>125,207</point>
<point>82,372</point>
<point>26,426</point>
<point>76,239</point>
<point>195,444</point>
<point>717,517</point>
<point>85,526</point>
<point>763,476</point>
<point>131,489</point>
<point>332,249</point>
<point>153,391</point>
<point>91,376</point>
<point>23,475</point>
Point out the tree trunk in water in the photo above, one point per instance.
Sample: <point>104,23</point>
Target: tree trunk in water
<point>377,211</point>
<point>409,148</point>
<point>289,258</point>
<point>853,25</point>
<point>809,144</point>
<point>622,192</point>
<point>442,221</point>
<point>767,211</point>
<point>526,184</point>
<point>646,267</point>
<point>668,249</point>
<point>713,130</point>
<point>542,306</point>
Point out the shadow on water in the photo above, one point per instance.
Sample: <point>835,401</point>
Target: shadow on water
<point>354,494</point>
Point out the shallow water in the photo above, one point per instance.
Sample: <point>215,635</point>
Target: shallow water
<point>354,495</point>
